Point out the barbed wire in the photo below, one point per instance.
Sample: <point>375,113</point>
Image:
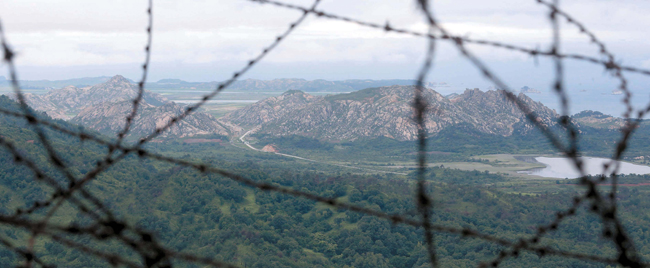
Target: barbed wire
<point>145,68</point>
<point>105,226</point>
<point>394,218</point>
<point>625,248</point>
<point>423,201</point>
<point>608,65</point>
<point>121,135</point>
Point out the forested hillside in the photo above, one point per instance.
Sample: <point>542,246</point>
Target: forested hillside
<point>213,216</point>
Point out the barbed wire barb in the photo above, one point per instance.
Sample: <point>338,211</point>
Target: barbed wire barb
<point>153,254</point>
<point>424,202</point>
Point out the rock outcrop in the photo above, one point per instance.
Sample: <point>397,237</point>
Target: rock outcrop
<point>597,119</point>
<point>109,117</point>
<point>385,111</point>
<point>104,107</point>
<point>66,102</point>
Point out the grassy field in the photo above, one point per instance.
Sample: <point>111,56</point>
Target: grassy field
<point>505,164</point>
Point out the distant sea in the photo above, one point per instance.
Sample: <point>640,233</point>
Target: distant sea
<point>596,100</point>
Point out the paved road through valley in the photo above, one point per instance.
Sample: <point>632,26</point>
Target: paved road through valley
<point>310,160</point>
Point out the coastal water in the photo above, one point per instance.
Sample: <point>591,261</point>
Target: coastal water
<point>559,167</point>
<point>215,101</point>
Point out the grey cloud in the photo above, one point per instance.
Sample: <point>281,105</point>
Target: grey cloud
<point>208,39</point>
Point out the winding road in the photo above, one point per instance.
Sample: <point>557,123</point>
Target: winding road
<point>310,160</point>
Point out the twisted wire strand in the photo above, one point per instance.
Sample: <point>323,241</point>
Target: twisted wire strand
<point>626,133</point>
<point>129,119</point>
<point>145,69</point>
<point>154,254</point>
<point>103,165</point>
<point>627,256</point>
<point>616,72</point>
<point>423,201</point>
<point>53,155</point>
<point>607,64</point>
<point>25,254</point>
<point>394,218</point>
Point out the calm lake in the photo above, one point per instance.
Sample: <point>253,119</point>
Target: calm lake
<point>559,167</point>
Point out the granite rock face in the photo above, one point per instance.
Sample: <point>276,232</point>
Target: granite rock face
<point>109,117</point>
<point>104,107</point>
<point>385,111</point>
<point>598,120</point>
<point>373,112</point>
<point>491,112</point>
<point>66,102</point>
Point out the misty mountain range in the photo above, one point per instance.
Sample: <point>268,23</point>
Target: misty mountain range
<point>384,111</point>
<point>104,107</point>
<point>282,84</point>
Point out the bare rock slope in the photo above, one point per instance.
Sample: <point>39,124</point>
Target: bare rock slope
<point>109,117</point>
<point>104,107</point>
<point>66,102</point>
<point>385,111</point>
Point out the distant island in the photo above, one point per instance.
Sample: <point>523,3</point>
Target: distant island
<point>529,90</point>
<point>274,85</point>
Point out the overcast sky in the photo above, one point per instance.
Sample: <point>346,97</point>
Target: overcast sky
<point>203,40</point>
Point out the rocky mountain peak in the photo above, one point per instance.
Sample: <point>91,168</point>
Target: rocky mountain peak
<point>385,111</point>
<point>69,88</point>
<point>472,91</point>
<point>477,94</point>
<point>118,79</point>
<point>66,102</point>
<point>103,107</point>
<point>597,119</point>
<point>109,118</point>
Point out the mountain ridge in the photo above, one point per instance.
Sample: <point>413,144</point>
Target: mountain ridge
<point>385,111</point>
<point>279,84</point>
<point>104,107</point>
<point>372,112</point>
<point>66,102</point>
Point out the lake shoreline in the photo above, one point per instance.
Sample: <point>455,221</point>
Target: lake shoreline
<point>560,167</point>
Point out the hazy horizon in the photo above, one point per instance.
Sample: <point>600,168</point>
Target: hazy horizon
<point>70,39</point>
<point>102,165</point>
<point>595,99</point>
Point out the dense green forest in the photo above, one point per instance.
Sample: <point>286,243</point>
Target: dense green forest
<point>461,143</point>
<point>213,216</point>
